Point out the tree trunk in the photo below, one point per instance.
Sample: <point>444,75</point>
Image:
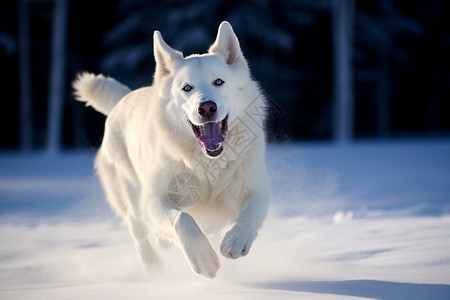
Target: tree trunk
<point>343,102</point>
<point>25,102</point>
<point>57,78</point>
<point>382,91</point>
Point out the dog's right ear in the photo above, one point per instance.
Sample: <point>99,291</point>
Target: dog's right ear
<point>165,56</point>
<point>227,45</point>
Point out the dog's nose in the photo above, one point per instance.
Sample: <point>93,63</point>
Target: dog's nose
<point>207,109</point>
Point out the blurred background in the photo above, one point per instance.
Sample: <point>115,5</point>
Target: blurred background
<point>334,70</point>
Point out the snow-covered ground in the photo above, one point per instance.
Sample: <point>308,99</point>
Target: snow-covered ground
<point>366,220</point>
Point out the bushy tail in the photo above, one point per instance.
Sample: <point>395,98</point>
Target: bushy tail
<point>102,93</point>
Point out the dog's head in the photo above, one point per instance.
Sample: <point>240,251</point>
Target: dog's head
<point>203,93</point>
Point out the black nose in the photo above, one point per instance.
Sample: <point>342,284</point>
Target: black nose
<point>207,109</point>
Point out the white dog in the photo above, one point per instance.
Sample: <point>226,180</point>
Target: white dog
<point>185,157</point>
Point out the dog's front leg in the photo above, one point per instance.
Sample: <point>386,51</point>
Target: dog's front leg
<point>196,247</point>
<point>182,227</point>
<point>239,238</point>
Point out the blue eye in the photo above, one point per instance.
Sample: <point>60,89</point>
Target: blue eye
<point>187,88</point>
<point>218,82</point>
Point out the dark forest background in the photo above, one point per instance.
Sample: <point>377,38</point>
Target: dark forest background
<point>383,65</point>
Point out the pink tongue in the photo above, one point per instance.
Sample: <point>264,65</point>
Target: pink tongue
<point>211,136</point>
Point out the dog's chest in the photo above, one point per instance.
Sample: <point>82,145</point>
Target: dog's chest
<point>222,194</point>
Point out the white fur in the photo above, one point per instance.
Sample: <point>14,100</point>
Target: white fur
<point>102,93</point>
<point>148,140</point>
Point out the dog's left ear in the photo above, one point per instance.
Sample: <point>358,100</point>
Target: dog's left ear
<point>227,44</point>
<point>165,56</point>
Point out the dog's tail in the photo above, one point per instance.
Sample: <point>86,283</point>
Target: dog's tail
<point>102,93</point>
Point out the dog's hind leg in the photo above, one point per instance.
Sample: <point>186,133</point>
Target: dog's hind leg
<point>123,197</point>
<point>138,229</point>
<point>149,258</point>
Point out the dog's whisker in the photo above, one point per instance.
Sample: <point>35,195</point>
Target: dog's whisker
<point>178,126</point>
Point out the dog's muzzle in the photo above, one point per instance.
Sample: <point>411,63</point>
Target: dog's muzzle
<point>211,136</point>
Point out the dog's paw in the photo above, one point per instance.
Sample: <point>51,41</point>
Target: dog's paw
<point>237,242</point>
<point>152,269</point>
<point>151,263</point>
<point>197,249</point>
<point>203,259</point>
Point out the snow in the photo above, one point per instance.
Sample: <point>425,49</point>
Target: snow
<point>365,220</point>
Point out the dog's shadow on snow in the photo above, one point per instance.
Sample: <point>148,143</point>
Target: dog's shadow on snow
<point>365,288</point>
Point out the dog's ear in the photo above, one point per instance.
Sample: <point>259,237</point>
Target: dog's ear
<point>227,44</point>
<point>165,56</point>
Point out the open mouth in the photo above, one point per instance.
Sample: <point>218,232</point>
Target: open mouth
<point>211,135</point>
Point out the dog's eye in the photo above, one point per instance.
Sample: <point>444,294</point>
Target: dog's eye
<point>187,88</point>
<point>218,82</point>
